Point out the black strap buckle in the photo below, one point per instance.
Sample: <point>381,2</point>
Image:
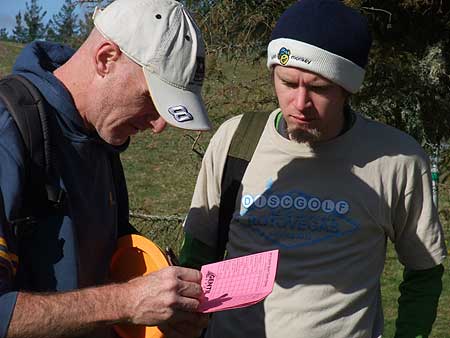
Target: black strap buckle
<point>24,226</point>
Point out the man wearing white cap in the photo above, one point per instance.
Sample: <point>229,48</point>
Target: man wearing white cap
<point>141,67</point>
<point>324,185</point>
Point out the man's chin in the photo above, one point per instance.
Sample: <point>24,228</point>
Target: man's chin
<point>304,135</point>
<point>114,141</point>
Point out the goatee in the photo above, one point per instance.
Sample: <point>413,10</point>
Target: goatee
<point>309,136</point>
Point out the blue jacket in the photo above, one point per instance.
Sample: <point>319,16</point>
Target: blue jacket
<point>70,251</point>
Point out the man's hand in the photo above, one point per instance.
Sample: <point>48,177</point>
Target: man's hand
<point>168,298</point>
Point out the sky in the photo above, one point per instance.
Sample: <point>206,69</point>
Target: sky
<point>9,9</point>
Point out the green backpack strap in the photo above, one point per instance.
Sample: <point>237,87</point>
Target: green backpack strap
<point>242,147</point>
<point>247,135</point>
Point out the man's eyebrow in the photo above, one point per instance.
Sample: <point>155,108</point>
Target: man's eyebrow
<point>319,81</point>
<point>288,77</point>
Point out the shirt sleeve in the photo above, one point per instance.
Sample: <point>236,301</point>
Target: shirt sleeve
<point>8,268</point>
<point>418,302</point>
<point>7,303</point>
<point>202,220</point>
<point>11,185</point>
<point>419,237</point>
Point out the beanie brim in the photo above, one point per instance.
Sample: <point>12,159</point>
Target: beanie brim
<point>294,53</point>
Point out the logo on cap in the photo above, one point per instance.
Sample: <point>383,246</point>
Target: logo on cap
<point>180,114</point>
<point>283,55</point>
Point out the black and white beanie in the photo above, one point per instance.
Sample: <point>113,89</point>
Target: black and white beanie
<point>325,37</point>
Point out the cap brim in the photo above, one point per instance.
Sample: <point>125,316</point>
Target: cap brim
<point>179,107</point>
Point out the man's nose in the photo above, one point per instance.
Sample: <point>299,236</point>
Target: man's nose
<point>302,99</point>
<point>157,125</point>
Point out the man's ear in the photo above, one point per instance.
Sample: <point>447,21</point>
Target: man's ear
<point>105,57</point>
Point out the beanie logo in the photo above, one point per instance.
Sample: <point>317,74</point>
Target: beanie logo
<point>283,55</point>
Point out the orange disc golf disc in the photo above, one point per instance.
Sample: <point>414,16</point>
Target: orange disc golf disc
<point>136,256</point>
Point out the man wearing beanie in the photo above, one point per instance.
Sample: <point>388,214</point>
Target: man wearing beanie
<point>141,67</point>
<point>326,187</point>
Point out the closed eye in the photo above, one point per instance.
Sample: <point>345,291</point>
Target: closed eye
<point>289,84</point>
<point>319,88</point>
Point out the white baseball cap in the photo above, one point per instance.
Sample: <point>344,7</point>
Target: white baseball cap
<point>162,37</point>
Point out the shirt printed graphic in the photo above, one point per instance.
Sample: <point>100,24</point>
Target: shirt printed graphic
<point>293,219</point>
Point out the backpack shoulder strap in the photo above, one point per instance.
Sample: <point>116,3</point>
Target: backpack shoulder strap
<point>123,212</point>
<point>242,147</point>
<point>21,100</point>
<point>30,112</point>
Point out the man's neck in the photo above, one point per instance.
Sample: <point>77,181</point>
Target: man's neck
<point>76,85</point>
